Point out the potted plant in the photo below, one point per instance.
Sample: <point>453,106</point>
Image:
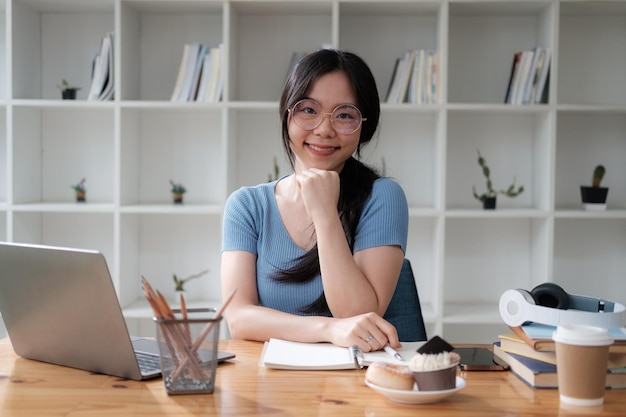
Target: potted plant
<point>179,283</point>
<point>177,192</point>
<point>68,92</point>
<point>80,191</point>
<point>594,197</point>
<point>489,198</point>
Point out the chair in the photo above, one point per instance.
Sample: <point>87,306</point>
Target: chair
<point>404,310</point>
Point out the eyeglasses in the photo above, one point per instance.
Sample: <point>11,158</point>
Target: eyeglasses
<point>308,114</point>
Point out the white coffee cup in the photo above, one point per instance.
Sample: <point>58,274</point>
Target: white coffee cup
<point>582,356</point>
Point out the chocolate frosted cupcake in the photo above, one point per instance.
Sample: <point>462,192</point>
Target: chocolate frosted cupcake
<point>435,371</point>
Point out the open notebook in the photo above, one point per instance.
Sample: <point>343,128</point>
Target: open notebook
<point>283,354</point>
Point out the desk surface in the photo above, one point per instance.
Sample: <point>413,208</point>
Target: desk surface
<point>30,388</point>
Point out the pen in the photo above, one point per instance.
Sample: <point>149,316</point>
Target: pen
<point>393,352</point>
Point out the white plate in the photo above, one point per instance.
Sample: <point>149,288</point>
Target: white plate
<point>417,397</point>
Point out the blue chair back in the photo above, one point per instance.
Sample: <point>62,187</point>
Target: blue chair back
<point>404,310</point>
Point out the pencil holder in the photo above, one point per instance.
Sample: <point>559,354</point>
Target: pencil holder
<point>188,351</point>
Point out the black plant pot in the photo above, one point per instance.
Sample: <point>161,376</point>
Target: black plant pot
<point>594,197</point>
<point>69,94</point>
<point>489,203</point>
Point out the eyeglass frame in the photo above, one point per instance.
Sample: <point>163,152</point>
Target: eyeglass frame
<point>291,111</point>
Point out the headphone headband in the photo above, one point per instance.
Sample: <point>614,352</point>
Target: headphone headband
<point>517,307</point>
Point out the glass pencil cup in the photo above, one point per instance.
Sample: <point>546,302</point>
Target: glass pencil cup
<point>188,351</point>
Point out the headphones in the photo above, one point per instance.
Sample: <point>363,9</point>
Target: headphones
<point>549,304</point>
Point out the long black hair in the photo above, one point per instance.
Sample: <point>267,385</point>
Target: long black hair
<point>356,179</point>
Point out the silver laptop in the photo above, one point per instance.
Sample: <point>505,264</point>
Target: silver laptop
<point>59,306</point>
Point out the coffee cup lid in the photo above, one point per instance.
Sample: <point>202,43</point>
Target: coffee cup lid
<point>582,335</point>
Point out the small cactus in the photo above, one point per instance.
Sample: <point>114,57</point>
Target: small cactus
<point>598,174</point>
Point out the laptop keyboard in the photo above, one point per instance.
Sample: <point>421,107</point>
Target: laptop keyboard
<point>148,363</point>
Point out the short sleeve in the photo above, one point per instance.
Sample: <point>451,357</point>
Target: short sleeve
<point>385,217</point>
<point>239,229</point>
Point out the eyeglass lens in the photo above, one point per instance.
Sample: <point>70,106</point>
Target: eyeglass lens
<point>308,114</point>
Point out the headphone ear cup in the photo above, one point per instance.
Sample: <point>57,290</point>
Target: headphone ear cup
<point>550,295</point>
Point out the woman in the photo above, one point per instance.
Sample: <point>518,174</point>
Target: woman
<point>315,256</point>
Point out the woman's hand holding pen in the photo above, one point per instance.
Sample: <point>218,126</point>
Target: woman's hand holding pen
<point>368,331</point>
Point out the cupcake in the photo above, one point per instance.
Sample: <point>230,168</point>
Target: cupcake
<point>435,371</point>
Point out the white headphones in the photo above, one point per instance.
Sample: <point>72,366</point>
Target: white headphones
<point>550,304</point>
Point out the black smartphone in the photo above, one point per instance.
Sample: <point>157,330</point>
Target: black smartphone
<point>479,359</point>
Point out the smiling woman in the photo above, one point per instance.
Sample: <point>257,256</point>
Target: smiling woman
<point>315,255</point>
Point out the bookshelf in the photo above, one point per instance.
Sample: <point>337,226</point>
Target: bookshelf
<point>463,257</point>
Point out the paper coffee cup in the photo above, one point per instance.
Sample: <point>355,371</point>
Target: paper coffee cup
<point>582,356</point>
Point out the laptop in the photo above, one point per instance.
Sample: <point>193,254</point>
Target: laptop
<point>59,306</point>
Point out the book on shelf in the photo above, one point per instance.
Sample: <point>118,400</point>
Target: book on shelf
<point>529,77</point>
<point>182,69</point>
<point>522,76</point>
<point>204,77</point>
<point>197,71</point>
<point>512,343</point>
<point>539,337</point>
<point>199,74</point>
<point>540,374</point>
<point>532,75</point>
<point>211,92</point>
<point>415,78</point>
<point>515,68</point>
<point>393,81</point>
<point>191,53</point>
<point>102,81</point>
<point>543,74</point>
<point>284,354</point>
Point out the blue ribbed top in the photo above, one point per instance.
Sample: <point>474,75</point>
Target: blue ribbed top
<point>252,223</point>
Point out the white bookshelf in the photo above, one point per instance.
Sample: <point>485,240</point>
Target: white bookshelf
<point>463,257</point>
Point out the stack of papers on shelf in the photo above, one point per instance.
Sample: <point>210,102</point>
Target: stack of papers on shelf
<point>102,80</point>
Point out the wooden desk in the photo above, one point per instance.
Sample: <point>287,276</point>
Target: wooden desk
<point>30,388</point>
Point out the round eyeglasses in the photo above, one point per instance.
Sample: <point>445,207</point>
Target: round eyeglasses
<point>308,114</point>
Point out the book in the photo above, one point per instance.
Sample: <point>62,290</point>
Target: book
<point>398,79</point>
<point>108,90</point>
<point>212,89</point>
<point>195,79</point>
<point>204,77</point>
<point>515,68</point>
<point>394,79</point>
<point>190,68</point>
<point>539,374</point>
<point>284,354</point>
<point>536,73</point>
<point>524,70</point>
<point>403,87</point>
<point>541,94</point>
<point>512,343</point>
<point>539,337</point>
<point>532,75</point>
<point>101,87</point>
<point>181,72</point>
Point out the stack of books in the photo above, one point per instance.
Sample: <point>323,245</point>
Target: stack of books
<point>200,75</point>
<point>529,77</point>
<point>533,359</point>
<point>415,78</point>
